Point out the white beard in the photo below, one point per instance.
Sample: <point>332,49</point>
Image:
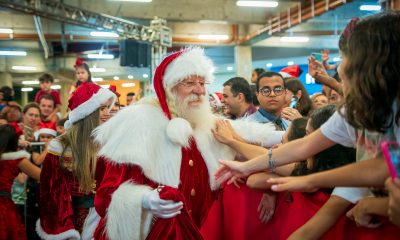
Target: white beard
<point>198,116</point>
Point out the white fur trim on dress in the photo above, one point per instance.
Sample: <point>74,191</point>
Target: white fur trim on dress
<point>263,134</point>
<point>15,155</point>
<point>71,234</point>
<point>179,131</point>
<point>192,62</point>
<point>86,108</point>
<point>90,225</point>
<point>138,135</point>
<point>126,219</point>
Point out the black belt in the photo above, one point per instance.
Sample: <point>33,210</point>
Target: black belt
<point>5,194</point>
<point>83,201</point>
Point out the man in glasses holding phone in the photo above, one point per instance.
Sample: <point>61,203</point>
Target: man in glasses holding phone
<point>271,92</point>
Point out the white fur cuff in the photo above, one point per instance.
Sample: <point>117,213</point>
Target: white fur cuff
<point>71,234</point>
<point>125,217</point>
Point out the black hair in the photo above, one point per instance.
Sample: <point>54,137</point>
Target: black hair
<point>46,78</point>
<point>86,67</point>
<point>259,71</point>
<point>240,85</point>
<point>321,115</point>
<point>29,106</point>
<point>130,94</point>
<point>297,129</point>
<point>8,140</point>
<point>268,75</point>
<point>7,93</point>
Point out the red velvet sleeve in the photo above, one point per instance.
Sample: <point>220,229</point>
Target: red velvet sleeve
<point>56,213</point>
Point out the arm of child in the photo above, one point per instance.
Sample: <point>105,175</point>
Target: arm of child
<point>38,160</point>
<point>30,169</point>
<point>323,220</point>
<point>365,210</point>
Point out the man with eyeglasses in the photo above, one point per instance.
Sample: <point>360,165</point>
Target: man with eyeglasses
<point>271,93</point>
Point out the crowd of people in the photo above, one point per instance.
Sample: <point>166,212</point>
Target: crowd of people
<point>261,160</point>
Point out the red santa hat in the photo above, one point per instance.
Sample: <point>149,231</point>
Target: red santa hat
<point>85,100</point>
<point>44,131</point>
<point>291,71</point>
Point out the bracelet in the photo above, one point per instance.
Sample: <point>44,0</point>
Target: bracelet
<point>271,162</point>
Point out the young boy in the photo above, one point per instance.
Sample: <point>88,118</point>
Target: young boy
<point>46,80</point>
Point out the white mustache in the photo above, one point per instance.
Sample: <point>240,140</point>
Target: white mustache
<point>192,97</point>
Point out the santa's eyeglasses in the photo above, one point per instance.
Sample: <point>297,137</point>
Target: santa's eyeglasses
<point>266,91</point>
<point>192,84</point>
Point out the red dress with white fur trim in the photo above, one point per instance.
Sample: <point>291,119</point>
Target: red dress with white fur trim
<point>11,226</point>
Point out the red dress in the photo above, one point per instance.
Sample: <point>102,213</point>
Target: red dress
<point>11,226</point>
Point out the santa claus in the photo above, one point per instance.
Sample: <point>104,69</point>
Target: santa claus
<point>159,182</point>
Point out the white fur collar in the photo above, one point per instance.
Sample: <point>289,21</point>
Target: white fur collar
<point>15,155</point>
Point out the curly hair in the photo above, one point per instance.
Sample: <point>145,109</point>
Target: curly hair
<point>372,72</point>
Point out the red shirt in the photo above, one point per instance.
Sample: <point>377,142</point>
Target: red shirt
<point>53,93</point>
<point>49,124</point>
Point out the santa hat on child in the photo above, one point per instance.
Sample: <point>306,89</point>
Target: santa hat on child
<point>44,131</point>
<point>85,100</point>
<point>172,70</point>
<point>291,71</point>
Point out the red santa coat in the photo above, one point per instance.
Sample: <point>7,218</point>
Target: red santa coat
<point>145,150</point>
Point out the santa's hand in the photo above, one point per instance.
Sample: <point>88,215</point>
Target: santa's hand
<point>159,207</point>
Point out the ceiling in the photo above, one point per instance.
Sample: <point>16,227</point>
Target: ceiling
<point>244,25</point>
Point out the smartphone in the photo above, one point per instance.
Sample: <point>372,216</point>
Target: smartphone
<point>317,56</point>
<point>391,152</point>
<point>293,102</point>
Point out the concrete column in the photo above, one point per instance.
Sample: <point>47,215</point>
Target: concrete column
<point>6,79</point>
<point>24,98</point>
<point>64,96</point>
<point>243,62</point>
<point>395,4</point>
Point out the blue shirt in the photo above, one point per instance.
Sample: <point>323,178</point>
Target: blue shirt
<point>263,116</point>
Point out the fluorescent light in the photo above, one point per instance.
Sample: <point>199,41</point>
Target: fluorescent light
<point>213,37</point>
<point>130,76</point>
<point>26,89</point>
<point>103,34</point>
<point>105,86</point>
<point>55,87</point>
<point>128,84</point>
<point>370,7</point>
<point>269,65</point>
<point>6,30</point>
<point>295,39</point>
<point>229,68</point>
<point>140,1</point>
<point>24,68</point>
<point>145,75</point>
<point>95,69</point>
<point>30,82</point>
<point>116,78</point>
<point>13,53</point>
<point>101,56</point>
<point>257,3</point>
<point>337,59</point>
<point>97,79</point>
<point>213,22</point>
<point>290,63</point>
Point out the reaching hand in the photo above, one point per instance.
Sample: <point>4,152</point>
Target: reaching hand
<point>394,199</point>
<point>159,207</point>
<point>325,55</point>
<point>361,215</point>
<point>290,113</point>
<point>266,208</point>
<point>223,132</point>
<point>292,184</point>
<point>230,169</point>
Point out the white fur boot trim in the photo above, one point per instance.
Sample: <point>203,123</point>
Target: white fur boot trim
<point>71,234</point>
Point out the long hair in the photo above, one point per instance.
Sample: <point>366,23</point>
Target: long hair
<point>304,104</point>
<point>8,140</point>
<point>373,72</point>
<point>84,150</point>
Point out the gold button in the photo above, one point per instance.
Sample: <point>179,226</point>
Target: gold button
<point>191,163</point>
<point>193,192</point>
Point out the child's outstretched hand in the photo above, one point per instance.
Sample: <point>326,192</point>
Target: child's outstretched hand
<point>292,184</point>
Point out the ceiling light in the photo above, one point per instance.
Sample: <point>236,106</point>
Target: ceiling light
<point>103,34</point>
<point>269,65</point>
<point>213,37</point>
<point>370,7</point>
<point>13,53</point>
<point>128,84</point>
<point>30,82</point>
<point>213,22</point>
<point>97,79</point>
<point>140,1</point>
<point>290,63</point>
<point>105,86</point>
<point>6,30</point>
<point>95,69</point>
<point>116,78</point>
<point>130,76</point>
<point>24,68</point>
<point>145,75</point>
<point>55,87</point>
<point>337,59</point>
<point>257,3</point>
<point>295,39</point>
<point>229,68</point>
<point>100,56</point>
<point>26,89</point>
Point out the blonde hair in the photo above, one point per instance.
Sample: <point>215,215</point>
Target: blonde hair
<point>84,151</point>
